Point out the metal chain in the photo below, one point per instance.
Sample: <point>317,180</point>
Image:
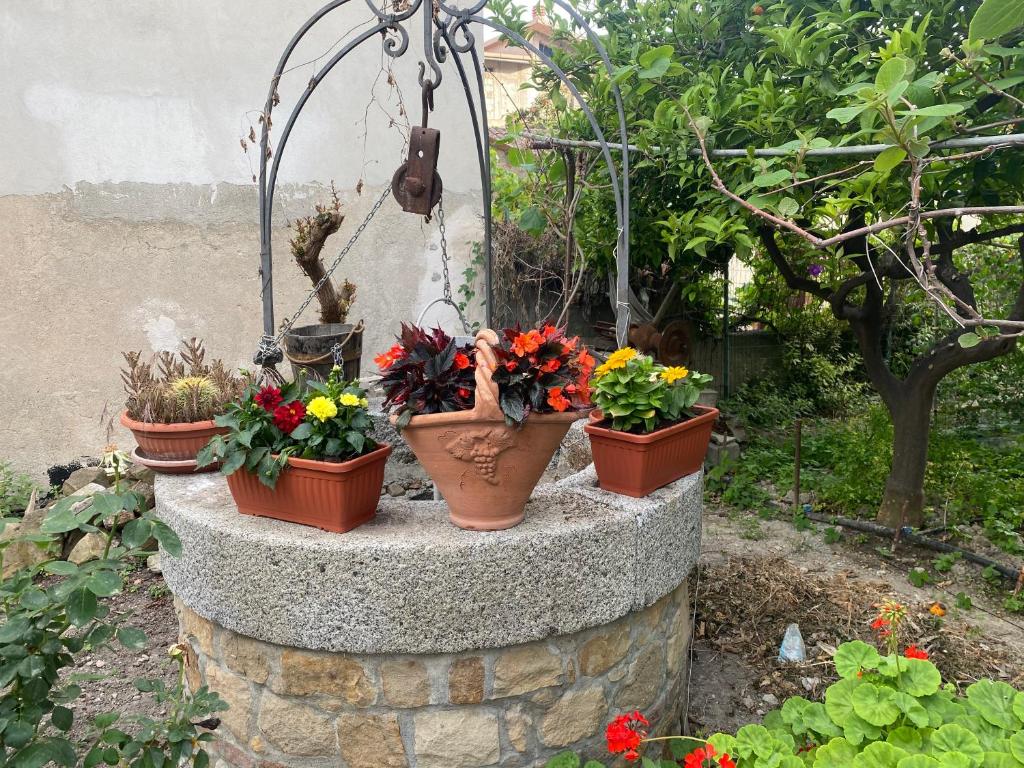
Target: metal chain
<point>327,275</point>
<point>444,251</point>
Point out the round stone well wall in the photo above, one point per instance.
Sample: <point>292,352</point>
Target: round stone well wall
<point>408,642</point>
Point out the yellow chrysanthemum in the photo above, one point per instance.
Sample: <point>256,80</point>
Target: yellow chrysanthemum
<point>616,359</point>
<point>673,373</point>
<point>349,399</point>
<point>322,407</point>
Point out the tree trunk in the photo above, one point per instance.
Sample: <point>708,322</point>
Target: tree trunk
<point>903,500</point>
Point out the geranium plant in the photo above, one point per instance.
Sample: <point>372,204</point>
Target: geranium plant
<point>426,372</point>
<point>640,395</point>
<point>327,422</point>
<point>541,371</point>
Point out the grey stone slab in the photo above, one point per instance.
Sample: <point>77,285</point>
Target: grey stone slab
<point>410,582</point>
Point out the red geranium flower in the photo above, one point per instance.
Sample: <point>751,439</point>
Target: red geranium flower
<point>287,417</point>
<point>461,361</point>
<point>268,398</point>
<point>913,652</point>
<point>726,762</point>
<point>557,400</point>
<point>696,758</point>
<point>625,733</point>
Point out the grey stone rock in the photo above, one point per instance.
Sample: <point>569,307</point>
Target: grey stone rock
<point>575,452</point>
<point>396,490</point>
<point>718,453</point>
<point>89,547</point>
<point>153,563</point>
<point>83,477</point>
<point>409,582</point>
<point>24,554</point>
<point>87,491</point>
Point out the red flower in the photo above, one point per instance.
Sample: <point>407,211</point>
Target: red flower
<point>586,360</point>
<point>696,758</point>
<point>511,366</point>
<point>557,400</point>
<point>525,343</point>
<point>463,392</point>
<point>551,365</point>
<point>461,361</point>
<point>726,762</point>
<point>549,331</point>
<point>287,417</point>
<point>913,652</point>
<point>386,359</point>
<point>268,398</point>
<point>625,733</point>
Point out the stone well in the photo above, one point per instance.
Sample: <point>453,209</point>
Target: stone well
<point>408,642</point>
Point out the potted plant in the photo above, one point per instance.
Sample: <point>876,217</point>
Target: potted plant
<point>647,431</point>
<point>310,348</point>
<point>302,453</point>
<point>485,422</point>
<point>171,404</point>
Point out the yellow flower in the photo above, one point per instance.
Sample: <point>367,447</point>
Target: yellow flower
<point>673,373</point>
<point>349,399</point>
<point>322,407</point>
<point>616,359</point>
<point>364,403</point>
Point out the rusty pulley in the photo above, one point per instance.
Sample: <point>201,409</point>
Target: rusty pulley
<point>416,184</point>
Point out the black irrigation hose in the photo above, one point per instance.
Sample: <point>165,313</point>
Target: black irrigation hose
<point>907,534</point>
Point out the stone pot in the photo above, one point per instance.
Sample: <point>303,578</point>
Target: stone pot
<point>172,442</point>
<point>334,496</point>
<point>484,468</point>
<point>309,349</point>
<point>636,465</point>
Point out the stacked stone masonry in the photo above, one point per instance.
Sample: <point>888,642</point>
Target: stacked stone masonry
<point>516,706</point>
<point>408,642</point>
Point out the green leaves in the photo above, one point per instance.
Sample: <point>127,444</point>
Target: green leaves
<point>533,221</point>
<point>994,701</point>
<point>655,62</point>
<point>891,73</point>
<point>995,18</point>
<point>81,607</point>
<point>955,738</point>
<point>855,657</point>
<point>918,677</point>
<point>875,704</point>
<point>889,159</point>
<point>968,340</point>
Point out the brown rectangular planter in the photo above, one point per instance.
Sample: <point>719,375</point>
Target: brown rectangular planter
<point>334,496</point>
<point>636,465</point>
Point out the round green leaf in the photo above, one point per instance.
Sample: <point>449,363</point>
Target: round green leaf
<point>918,677</point>
<point>754,740</point>
<point>838,753</point>
<point>851,658</point>
<point>994,701</point>
<point>955,738</point>
<point>919,761</point>
<point>1000,760</point>
<point>906,738</point>
<point>1018,706</point>
<point>876,704</point>
<point>1017,746</point>
<point>879,755</point>
<point>913,709</point>
<point>104,583</point>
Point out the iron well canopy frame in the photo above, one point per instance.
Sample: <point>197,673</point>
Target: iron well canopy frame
<point>446,34</point>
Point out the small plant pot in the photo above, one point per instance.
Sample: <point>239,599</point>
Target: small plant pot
<point>171,442</point>
<point>636,465</point>
<point>333,496</point>
<point>309,349</point>
<point>484,468</point>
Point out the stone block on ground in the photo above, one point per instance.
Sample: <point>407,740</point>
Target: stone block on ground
<point>89,547</point>
<point>80,478</point>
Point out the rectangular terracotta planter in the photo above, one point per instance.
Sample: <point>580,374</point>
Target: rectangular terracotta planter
<point>334,496</point>
<point>636,465</point>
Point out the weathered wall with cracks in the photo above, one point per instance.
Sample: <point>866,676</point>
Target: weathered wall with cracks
<point>127,209</point>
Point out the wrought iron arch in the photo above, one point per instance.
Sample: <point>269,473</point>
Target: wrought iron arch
<point>439,40</point>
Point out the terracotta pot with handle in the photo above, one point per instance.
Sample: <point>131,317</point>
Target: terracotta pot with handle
<point>484,468</point>
<point>636,465</point>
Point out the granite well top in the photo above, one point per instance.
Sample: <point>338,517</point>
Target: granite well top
<point>410,582</point>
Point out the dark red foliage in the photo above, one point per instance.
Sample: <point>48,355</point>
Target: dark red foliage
<point>425,372</point>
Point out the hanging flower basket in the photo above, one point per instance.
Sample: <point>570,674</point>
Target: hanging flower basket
<point>485,468</point>
<point>310,349</point>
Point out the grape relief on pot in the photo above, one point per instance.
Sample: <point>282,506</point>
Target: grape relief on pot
<point>481,447</point>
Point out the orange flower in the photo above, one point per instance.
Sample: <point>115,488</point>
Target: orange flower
<point>461,361</point>
<point>386,359</point>
<point>586,360</point>
<point>549,331</point>
<point>525,343</point>
<point>557,400</point>
<point>511,365</point>
<point>937,609</point>
<point>551,365</point>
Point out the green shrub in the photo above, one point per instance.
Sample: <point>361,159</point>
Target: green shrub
<point>15,490</point>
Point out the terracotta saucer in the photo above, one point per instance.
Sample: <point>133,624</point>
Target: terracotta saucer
<point>169,466</point>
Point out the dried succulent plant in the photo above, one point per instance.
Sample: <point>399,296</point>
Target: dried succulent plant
<point>181,388</point>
